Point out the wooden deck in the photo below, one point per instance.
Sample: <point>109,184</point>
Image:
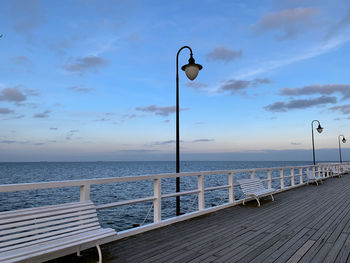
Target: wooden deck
<point>307,224</point>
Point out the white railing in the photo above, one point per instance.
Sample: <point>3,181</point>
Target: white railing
<point>281,178</point>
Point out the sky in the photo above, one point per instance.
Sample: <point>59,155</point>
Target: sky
<point>89,80</point>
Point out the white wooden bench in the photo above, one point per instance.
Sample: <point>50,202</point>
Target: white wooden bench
<point>312,178</point>
<point>43,233</point>
<point>255,188</point>
<point>336,172</point>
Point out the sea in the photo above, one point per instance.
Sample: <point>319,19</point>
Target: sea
<point>129,216</point>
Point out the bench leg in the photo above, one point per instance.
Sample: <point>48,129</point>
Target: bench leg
<point>99,253</point>
<point>273,199</point>
<point>257,199</point>
<point>78,252</point>
<point>244,201</point>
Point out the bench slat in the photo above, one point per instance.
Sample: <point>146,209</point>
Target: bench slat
<point>43,240</point>
<point>44,219</point>
<point>54,245</point>
<point>26,214</point>
<point>48,223</point>
<point>39,209</point>
<point>9,243</point>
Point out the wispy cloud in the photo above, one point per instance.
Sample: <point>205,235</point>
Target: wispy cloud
<point>345,109</point>
<point>233,86</point>
<point>162,111</point>
<point>80,89</point>
<point>222,53</point>
<point>327,89</point>
<point>288,22</point>
<point>44,114</point>
<point>12,95</point>
<point>86,64</point>
<point>300,104</point>
<point>270,65</point>
<point>203,140</point>
<point>27,15</point>
<point>5,111</point>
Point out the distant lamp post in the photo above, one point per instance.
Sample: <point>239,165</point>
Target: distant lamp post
<point>344,141</point>
<point>319,129</point>
<point>191,69</point>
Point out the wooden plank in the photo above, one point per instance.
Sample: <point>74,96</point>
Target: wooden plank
<point>301,252</point>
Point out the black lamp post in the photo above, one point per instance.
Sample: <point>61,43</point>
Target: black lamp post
<point>191,69</point>
<point>319,129</point>
<point>344,141</point>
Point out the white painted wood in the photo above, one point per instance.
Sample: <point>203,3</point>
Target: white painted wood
<point>181,193</point>
<point>282,178</point>
<point>84,192</point>
<point>269,181</point>
<point>126,202</point>
<point>255,188</point>
<point>292,182</point>
<point>32,232</point>
<point>217,187</point>
<point>201,192</point>
<point>231,191</point>
<point>157,203</point>
<point>252,174</point>
<point>301,175</point>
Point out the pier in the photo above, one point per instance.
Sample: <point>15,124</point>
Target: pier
<point>306,224</point>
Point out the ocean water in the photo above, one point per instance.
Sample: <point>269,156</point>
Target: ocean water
<point>121,218</point>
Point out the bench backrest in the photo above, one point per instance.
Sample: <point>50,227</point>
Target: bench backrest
<point>310,175</point>
<point>251,185</point>
<point>19,228</point>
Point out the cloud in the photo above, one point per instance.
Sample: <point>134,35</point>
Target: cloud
<point>290,22</point>
<point>196,85</point>
<point>204,140</point>
<point>53,129</point>
<point>85,64</point>
<point>130,116</point>
<point>27,15</point>
<point>44,114</point>
<point>295,143</point>
<point>345,109</point>
<point>162,111</point>
<point>270,65</point>
<point>80,89</point>
<point>299,104</point>
<point>13,142</point>
<point>12,95</point>
<point>340,26</point>
<point>234,86</point>
<point>5,111</point>
<point>327,89</point>
<point>21,60</point>
<point>224,54</point>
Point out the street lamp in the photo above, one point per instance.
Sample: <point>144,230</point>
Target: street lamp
<point>344,141</point>
<point>191,69</point>
<point>319,129</point>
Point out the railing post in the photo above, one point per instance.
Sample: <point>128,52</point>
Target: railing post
<point>269,179</point>
<point>157,203</point>
<point>201,192</point>
<point>84,192</point>
<point>282,178</point>
<point>231,192</point>
<point>319,170</point>
<point>252,174</point>
<point>301,175</point>
<point>292,183</point>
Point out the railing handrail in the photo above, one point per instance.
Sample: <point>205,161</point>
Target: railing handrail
<point>108,180</point>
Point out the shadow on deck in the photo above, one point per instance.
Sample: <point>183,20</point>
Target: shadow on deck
<point>306,224</point>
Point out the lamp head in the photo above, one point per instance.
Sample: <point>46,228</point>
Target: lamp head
<point>344,140</point>
<point>191,69</point>
<point>319,128</point>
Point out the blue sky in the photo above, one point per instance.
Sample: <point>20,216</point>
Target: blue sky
<point>95,80</point>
